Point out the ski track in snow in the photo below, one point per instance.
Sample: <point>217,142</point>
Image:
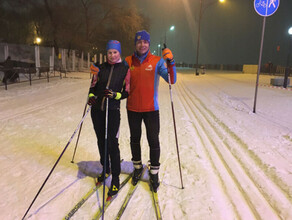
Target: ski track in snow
<point>256,195</point>
<point>42,104</point>
<point>233,166</point>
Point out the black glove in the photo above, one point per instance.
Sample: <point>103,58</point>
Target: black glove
<point>91,99</point>
<point>110,94</point>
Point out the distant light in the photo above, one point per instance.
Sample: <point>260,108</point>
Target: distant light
<point>154,51</point>
<point>222,1</point>
<point>290,31</point>
<point>38,40</point>
<point>159,45</point>
<point>171,28</point>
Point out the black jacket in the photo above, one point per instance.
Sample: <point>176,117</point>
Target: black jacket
<point>117,84</point>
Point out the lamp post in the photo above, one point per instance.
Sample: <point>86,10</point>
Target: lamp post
<point>170,29</point>
<point>158,49</point>
<point>38,40</point>
<point>287,70</point>
<point>199,30</point>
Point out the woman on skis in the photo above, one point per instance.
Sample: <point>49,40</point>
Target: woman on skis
<point>110,80</point>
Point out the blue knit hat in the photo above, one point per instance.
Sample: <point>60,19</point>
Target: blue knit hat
<point>114,44</point>
<point>142,35</point>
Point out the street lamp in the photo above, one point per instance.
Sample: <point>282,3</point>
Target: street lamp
<point>158,49</point>
<point>199,30</point>
<point>287,70</point>
<point>38,40</point>
<point>171,29</point>
<point>290,31</point>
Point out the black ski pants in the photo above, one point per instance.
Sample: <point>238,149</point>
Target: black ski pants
<point>152,124</point>
<point>113,151</point>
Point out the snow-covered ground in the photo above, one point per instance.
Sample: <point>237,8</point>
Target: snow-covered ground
<point>235,164</point>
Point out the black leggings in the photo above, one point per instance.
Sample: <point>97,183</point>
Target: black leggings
<point>98,120</point>
<point>151,121</point>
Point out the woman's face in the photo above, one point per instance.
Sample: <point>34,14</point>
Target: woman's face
<point>113,55</point>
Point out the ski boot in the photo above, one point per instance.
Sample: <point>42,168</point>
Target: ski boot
<point>115,186</point>
<point>154,181</point>
<point>100,177</point>
<point>137,175</point>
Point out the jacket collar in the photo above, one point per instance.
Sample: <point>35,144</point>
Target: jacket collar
<point>143,57</point>
<point>119,61</point>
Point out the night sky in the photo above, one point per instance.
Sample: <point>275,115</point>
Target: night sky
<point>230,32</point>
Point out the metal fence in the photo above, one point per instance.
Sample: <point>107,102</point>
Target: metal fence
<point>236,67</point>
<point>19,63</point>
<point>265,69</point>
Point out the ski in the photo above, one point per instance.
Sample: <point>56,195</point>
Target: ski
<point>109,199</point>
<point>83,200</point>
<point>155,199</point>
<point>156,203</point>
<point>128,197</point>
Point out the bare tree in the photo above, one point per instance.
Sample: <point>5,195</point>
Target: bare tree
<point>13,22</point>
<point>82,24</point>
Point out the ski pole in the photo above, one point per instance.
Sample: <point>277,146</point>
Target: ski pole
<point>72,161</point>
<point>56,162</point>
<point>174,125</point>
<point>105,157</point>
<point>105,140</point>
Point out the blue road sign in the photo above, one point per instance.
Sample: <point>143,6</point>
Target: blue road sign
<point>266,7</point>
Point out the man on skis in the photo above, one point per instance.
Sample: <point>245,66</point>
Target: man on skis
<point>142,103</point>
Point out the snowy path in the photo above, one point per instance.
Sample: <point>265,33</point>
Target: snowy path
<point>235,164</point>
<point>252,190</point>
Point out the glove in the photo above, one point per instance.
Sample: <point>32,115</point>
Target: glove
<point>167,55</point>
<point>94,69</point>
<point>111,94</point>
<point>91,99</point>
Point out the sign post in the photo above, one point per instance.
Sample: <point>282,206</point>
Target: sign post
<point>264,8</point>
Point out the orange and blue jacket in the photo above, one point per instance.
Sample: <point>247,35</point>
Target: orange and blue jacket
<point>144,81</point>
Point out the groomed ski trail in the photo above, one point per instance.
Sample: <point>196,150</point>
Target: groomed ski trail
<point>244,180</point>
